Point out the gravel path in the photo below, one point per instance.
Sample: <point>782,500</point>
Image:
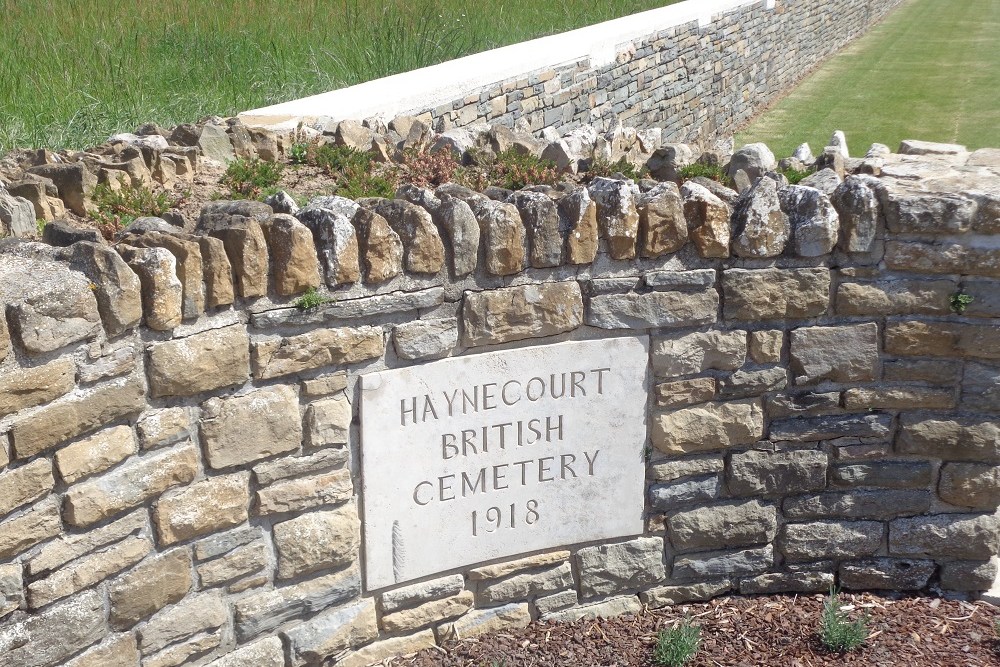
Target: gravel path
<point>779,630</point>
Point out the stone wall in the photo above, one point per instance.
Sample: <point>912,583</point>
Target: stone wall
<point>697,78</point>
<point>179,442</point>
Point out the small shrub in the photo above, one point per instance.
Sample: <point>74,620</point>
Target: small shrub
<point>676,646</point>
<point>712,171</point>
<point>960,301</point>
<point>40,224</point>
<point>423,168</point>
<point>337,159</point>
<point>837,632</point>
<point>117,209</point>
<point>793,175</point>
<point>299,153</point>
<point>355,173</point>
<point>601,167</point>
<point>310,299</point>
<point>513,171</point>
<point>251,178</point>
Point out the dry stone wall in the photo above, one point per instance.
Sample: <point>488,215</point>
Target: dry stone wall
<point>180,444</point>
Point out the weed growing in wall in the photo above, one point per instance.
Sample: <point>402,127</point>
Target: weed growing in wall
<point>310,299</point>
<point>513,171</point>
<point>114,210</point>
<point>960,301</point>
<point>837,632</point>
<point>606,169</point>
<point>677,645</point>
<point>793,175</point>
<point>712,171</point>
<point>251,178</point>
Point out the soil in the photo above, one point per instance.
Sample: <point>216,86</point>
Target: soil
<point>763,631</point>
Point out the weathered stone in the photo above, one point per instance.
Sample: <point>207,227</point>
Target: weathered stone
<point>189,267</point>
<point>617,217</point>
<point>678,280</point>
<point>787,582</point>
<point>324,385</point>
<point>380,247</point>
<point>723,563</point>
<point>11,588</point>
<point>981,388</point>
<point>17,215</point>
<point>775,293</point>
<point>839,354</point>
<point>332,631</point>
<point>662,226</point>
<point>458,221</point>
<point>968,575</point>
<point>613,568</point>
<point>423,251</point>
<point>294,265</point>
<point>105,362</point>
<point>328,422</point>
<point>664,596</point>
<point>75,183</point>
<point>516,313</point>
<point>266,652</point>
<point>389,648</point>
<point>753,159</point>
<point>88,571</point>
<point>54,634</point>
<point>858,504</point>
<point>317,541</point>
<point>541,220</point>
<point>426,339</point>
<point>40,522</point>
<point>484,621</point>
<point>765,346</point>
<point>707,427</point>
<point>196,613</point>
<point>901,398</point>
<point>428,613</point>
<point>895,297</point>
<point>337,240</point>
<point>217,271</point>
<point>504,569</point>
<point>4,336</point>
<point>241,568</point>
<point>703,465</point>
<point>891,574</point>
<point>23,485</point>
<point>116,651</point>
<point>154,584</point>
<point>296,495</point>
<point>199,363</point>
<point>699,352</point>
<point>776,473</point>
<point>609,608</point>
<point>224,543</point>
<point>954,439</point>
<point>75,415</point>
<point>744,383</point>
<point>761,227</point>
<point>974,485</point>
<point>245,244</point>
<point>857,204</point>
<point>722,526</point>
<point>829,428</point>
<point>962,536</point>
<point>663,497</point>
<point>527,584</point>
<point>158,428</point>
<point>268,610</point>
<point>653,310</point>
<point>205,507</point>
<point>814,221</point>
<point>804,405</point>
<point>817,540</point>
<point>503,236</point>
<point>277,357</point>
<point>578,214</point>
<point>883,474</point>
<point>186,650</point>
<point>95,454</point>
<point>937,213</point>
<point>943,339</point>
<point>340,309</point>
<point>556,602</point>
<point>684,392</point>
<point>707,220</point>
<point>257,425</point>
<point>942,257</point>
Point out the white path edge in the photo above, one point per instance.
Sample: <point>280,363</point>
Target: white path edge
<point>435,85</point>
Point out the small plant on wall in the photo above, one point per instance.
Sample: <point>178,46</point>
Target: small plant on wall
<point>960,301</point>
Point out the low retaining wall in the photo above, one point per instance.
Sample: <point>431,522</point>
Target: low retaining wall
<point>697,69</point>
<point>568,403</point>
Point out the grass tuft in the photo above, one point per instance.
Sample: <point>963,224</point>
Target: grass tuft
<point>677,645</point>
<point>114,210</point>
<point>251,178</point>
<point>310,299</point>
<point>837,632</point>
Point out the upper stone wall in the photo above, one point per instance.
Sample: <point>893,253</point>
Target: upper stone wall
<point>699,70</point>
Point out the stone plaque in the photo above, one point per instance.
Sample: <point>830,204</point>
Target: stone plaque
<point>493,455</point>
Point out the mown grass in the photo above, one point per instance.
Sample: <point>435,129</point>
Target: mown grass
<point>930,71</point>
<point>73,72</point>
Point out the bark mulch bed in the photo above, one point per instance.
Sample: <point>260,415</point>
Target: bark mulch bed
<point>771,631</point>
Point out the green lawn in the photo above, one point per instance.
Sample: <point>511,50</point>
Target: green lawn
<point>74,71</point>
<point>930,71</point>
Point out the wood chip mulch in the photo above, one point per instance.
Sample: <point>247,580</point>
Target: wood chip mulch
<point>765,631</point>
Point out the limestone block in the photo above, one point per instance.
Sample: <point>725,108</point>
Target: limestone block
<point>942,257</point>
<point>69,547</point>
<point>812,429</point>
<point>317,541</point>
<point>299,466</point>
<point>196,613</point>
<point>968,575</point>
<point>857,204</point>
<point>540,216</point>
<point>328,422</point>
<point>557,602</point>
<point>324,385</point>
<point>859,504</point>
<point>11,588</point>
<point>337,240</point>
<point>516,313</point>
<point>95,454</point>
<point>899,398</point>
<point>416,594</point>
<point>707,219</point>
<point>684,392</point>
<point>663,596</point>
<point>707,427</point>
<point>817,540</point>
<point>895,297</point>
<point>39,523</point>
<point>813,219</point>
<point>787,582</point>
<point>428,613</point>
<point>4,336</point>
<point>484,621</point>
<point>761,228</point>
<point>961,536</point>
<point>753,159</point>
<point>388,648</point>
<point>202,362</point>
<point>975,485</point>
<point>294,265</point>
<point>88,571</point>
<point>141,592</point>
<point>662,226</point>
<point>367,307</point>
<point>116,287</point>
<point>426,339</point>
<point>578,216</point>
<point>689,467</point>
<point>525,585</point>
<point>653,310</point>
<point>776,473</point>
<point>503,239</point>
<point>185,650</point>
<point>130,485</point>
<point>663,497</point>
<point>117,650</point>
<point>461,227</point>
<point>727,525</point>
<point>766,294</point>
<point>680,280</point>
<point>190,272</point>
<point>617,216</point>
<point>51,636</point>
<point>244,240</point>
<point>699,352</point>
<point>883,474</point>
<point>893,574</point>
<point>217,271</point>
<point>943,339</point>
<point>765,346</point>
<point>932,371</point>
<point>609,608</point>
<point>105,362</point>
<point>254,426</point>
<point>237,569</point>
<point>296,495</point>
<point>277,357</point>
<point>266,652</point>
<point>923,213</point>
<point>981,388</point>
<point>713,564</point>
<point>614,568</point>
<point>158,428</point>
<point>205,507</point>
<point>332,631</point>
<point>423,251</point>
<point>839,354</point>
<point>77,414</point>
<point>955,439</point>
<point>23,485</point>
<point>75,183</point>
<point>381,250</point>
<point>268,610</point>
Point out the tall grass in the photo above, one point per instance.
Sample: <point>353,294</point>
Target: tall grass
<point>74,71</point>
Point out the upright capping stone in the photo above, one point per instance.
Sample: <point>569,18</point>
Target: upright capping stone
<point>517,313</point>
<point>540,216</point>
<point>707,219</point>
<point>188,266</point>
<point>337,240</point>
<point>578,213</point>
<point>202,362</point>
<point>814,221</point>
<point>117,288</point>
<point>162,292</point>
<point>761,227</point>
<point>423,251</point>
<point>662,225</point>
<point>503,236</point>
<point>461,227</point>
<point>380,247</point>
<point>616,215</point>
<point>217,271</point>
<point>857,203</point>
<point>294,265</point>
<point>237,224</point>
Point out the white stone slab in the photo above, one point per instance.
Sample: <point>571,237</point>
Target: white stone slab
<point>570,467</point>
